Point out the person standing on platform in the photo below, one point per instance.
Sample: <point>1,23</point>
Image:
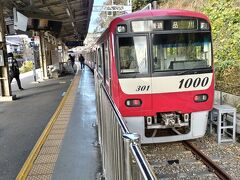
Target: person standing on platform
<point>14,71</point>
<point>72,60</point>
<point>81,59</point>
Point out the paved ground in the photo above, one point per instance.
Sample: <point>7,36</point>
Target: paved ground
<point>23,120</point>
<point>69,150</point>
<point>78,157</point>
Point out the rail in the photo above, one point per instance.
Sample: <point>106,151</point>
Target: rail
<point>208,162</point>
<point>122,157</point>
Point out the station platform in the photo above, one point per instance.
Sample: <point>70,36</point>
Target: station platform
<point>23,120</point>
<point>66,149</point>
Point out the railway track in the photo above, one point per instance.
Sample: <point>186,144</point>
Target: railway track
<point>182,160</point>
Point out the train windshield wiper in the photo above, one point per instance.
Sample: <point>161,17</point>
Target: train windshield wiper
<point>189,71</point>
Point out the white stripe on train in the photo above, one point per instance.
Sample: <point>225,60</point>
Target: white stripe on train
<point>181,83</point>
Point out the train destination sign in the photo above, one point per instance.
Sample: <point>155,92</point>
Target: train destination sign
<point>158,25</point>
<point>184,24</point>
<point>179,24</point>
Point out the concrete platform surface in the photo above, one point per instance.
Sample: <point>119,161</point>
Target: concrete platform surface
<point>66,148</point>
<point>78,157</point>
<point>23,120</point>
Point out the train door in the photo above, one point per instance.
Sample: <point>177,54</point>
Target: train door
<point>103,63</point>
<point>100,62</point>
<point>107,66</point>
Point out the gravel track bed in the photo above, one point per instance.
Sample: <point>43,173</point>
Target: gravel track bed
<point>185,166</point>
<point>174,161</point>
<point>199,177</point>
<point>226,155</point>
<point>182,157</point>
<point>170,147</point>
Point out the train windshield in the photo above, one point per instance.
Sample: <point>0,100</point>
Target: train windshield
<point>181,51</point>
<point>133,54</point>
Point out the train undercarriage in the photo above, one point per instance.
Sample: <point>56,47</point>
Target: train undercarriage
<point>170,126</point>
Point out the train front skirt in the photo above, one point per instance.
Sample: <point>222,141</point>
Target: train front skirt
<point>197,128</point>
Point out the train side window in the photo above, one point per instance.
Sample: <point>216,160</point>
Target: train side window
<point>99,57</point>
<point>106,61</point>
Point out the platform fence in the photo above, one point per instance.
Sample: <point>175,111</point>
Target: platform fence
<point>122,156</point>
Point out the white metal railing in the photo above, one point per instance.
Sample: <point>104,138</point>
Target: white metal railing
<point>122,156</point>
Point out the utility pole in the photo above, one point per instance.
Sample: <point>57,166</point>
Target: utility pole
<point>6,94</point>
<point>154,4</point>
<point>43,60</point>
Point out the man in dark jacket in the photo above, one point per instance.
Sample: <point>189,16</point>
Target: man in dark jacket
<point>81,59</point>
<point>72,60</point>
<point>14,71</point>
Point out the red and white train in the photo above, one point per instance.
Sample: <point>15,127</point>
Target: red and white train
<point>158,68</point>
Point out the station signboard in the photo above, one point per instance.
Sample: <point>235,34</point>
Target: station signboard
<point>74,43</point>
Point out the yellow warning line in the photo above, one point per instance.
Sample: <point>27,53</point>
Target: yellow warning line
<point>36,149</point>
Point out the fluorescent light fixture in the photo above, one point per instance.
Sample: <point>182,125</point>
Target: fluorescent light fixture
<point>73,24</point>
<point>68,12</point>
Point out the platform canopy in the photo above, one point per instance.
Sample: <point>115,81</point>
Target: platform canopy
<point>71,16</point>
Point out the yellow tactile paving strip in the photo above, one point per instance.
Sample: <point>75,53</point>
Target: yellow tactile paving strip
<point>41,161</point>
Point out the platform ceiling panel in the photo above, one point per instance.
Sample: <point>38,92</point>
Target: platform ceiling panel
<point>74,14</point>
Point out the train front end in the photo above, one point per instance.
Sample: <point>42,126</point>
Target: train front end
<point>165,84</point>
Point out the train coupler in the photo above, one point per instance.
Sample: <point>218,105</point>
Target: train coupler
<point>167,120</point>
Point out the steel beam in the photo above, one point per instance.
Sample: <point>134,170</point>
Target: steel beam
<point>48,4</point>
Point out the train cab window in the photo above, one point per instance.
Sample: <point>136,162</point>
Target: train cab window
<point>133,54</point>
<point>181,51</point>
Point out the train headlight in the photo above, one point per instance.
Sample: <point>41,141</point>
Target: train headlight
<point>204,26</point>
<point>133,102</point>
<point>121,28</point>
<point>201,98</point>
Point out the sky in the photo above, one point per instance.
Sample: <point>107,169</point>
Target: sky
<point>94,15</point>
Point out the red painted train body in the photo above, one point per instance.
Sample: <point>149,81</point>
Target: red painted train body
<point>158,68</point>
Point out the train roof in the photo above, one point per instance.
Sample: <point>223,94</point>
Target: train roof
<point>163,12</point>
<point>159,12</point>
<point>150,13</point>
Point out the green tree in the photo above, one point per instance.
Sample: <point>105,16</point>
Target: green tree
<point>225,20</point>
<point>137,5</point>
<point>27,66</point>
